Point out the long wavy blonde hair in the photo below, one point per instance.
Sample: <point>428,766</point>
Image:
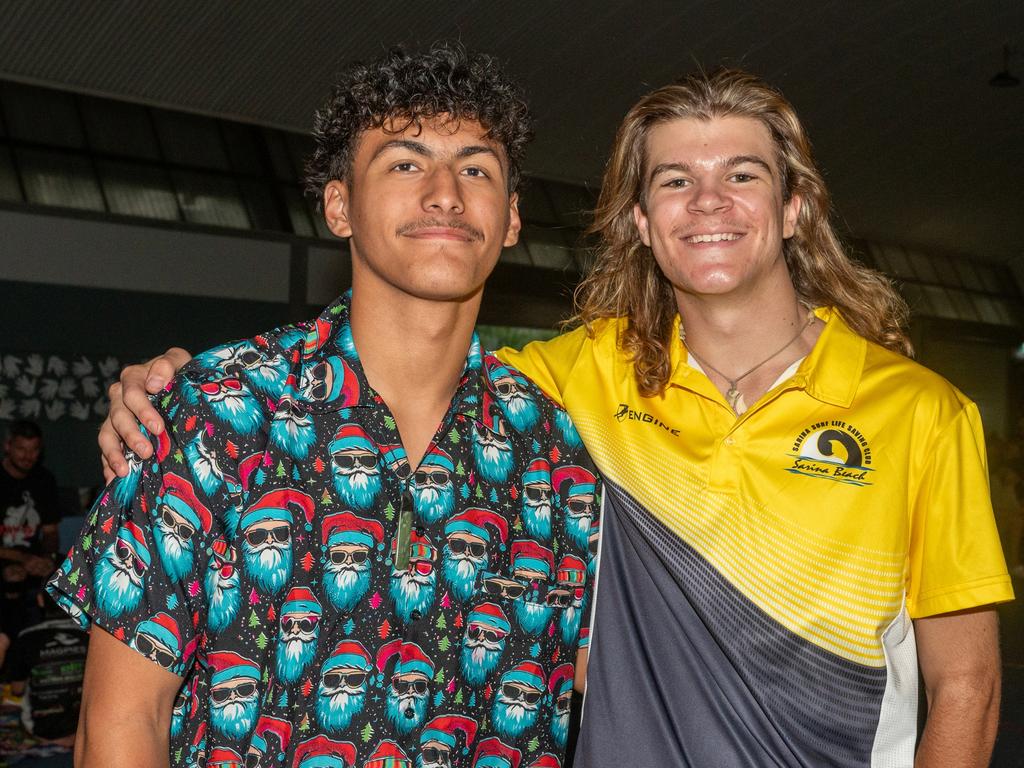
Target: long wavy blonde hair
<point>625,281</point>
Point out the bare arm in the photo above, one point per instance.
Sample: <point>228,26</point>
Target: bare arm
<point>130,406</point>
<point>580,681</point>
<point>959,658</point>
<point>126,707</point>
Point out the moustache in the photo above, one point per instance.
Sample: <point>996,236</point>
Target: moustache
<point>429,223</point>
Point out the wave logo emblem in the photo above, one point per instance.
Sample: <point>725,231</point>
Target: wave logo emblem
<point>832,450</point>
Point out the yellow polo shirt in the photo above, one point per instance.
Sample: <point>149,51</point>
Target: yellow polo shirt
<point>848,500</point>
<point>827,548</point>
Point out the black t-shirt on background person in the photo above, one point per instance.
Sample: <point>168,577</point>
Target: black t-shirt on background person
<point>26,504</point>
<point>50,658</point>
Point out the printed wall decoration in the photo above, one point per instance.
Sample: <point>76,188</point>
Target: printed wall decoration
<point>45,387</point>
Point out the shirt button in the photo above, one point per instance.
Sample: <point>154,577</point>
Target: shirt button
<point>421,531</point>
<point>415,615</point>
<point>730,441</point>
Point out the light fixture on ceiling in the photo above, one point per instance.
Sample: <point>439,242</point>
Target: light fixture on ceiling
<point>1004,79</point>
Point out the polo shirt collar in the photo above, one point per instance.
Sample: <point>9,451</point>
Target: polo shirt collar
<point>831,371</point>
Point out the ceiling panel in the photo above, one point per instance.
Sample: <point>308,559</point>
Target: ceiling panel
<point>916,146</point>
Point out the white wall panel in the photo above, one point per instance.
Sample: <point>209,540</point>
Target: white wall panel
<point>92,254</point>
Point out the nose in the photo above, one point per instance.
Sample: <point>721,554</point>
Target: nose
<point>710,196</point>
<point>443,194</point>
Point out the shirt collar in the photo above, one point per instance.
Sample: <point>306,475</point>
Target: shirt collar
<point>830,372</point>
<point>330,336</point>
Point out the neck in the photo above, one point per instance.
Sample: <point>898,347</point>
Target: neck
<point>413,352</point>
<point>738,331</point>
<point>745,343</point>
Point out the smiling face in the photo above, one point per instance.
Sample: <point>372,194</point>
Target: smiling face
<point>427,209</point>
<point>714,214</point>
<point>21,454</point>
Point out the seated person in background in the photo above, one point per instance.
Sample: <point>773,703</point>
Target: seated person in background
<point>46,669</point>
<point>28,504</point>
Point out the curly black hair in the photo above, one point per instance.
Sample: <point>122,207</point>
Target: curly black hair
<point>446,80</point>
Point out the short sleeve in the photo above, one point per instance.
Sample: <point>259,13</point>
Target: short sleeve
<point>956,561</point>
<point>134,570</point>
<point>548,363</point>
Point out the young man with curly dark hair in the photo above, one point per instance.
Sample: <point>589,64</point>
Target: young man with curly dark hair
<point>343,549</point>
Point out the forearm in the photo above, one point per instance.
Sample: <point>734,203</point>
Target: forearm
<point>127,700</point>
<point>961,726</point>
<point>13,555</point>
<point>120,739</point>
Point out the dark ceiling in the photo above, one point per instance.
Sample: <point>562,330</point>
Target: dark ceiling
<point>916,145</point>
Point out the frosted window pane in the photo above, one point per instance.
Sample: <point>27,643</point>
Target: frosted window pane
<point>59,179</point>
<point>138,191</point>
<point>208,199</point>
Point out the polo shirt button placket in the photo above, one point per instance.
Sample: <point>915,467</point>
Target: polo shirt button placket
<point>723,475</point>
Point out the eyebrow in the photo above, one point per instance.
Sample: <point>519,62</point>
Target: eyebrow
<point>423,150</point>
<point>732,162</point>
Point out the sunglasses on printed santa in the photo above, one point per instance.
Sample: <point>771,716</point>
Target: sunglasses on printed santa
<point>348,679</point>
<point>491,635</point>
<point>215,387</point>
<point>129,558</point>
<point>563,703</point>
<point>342,556</point>
<point>437,477</point>
<point>147,647</point>
<point>497,437</point>
<point>498,587</point>
<point>559,599</point>
<point>575,505</point>
<point>305,624</point>
<point>349,460</point>
<point>435,755</point>
<point>506,388</point>
<point>474,548</point>
<point>404,687</point>
<point>243,691</point>
<point>183,530</point>
<point>516,693</point>
<point>280,534</point>
<point>533,493</point>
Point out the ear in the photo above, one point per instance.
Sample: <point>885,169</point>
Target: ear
<point>515,224</point>
<point>337,210</point>
<point>790,215</point>
<point>642,224</point>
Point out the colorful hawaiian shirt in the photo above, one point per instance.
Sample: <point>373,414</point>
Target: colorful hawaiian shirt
<point>327,604</point>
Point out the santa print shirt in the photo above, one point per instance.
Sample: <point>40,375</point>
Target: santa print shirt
<point>325,604</point>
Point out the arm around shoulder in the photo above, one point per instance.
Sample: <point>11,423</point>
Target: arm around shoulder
<point>126,707</point>
<point>549,363</point>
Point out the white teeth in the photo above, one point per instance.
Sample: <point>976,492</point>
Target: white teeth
<point>715,238</point>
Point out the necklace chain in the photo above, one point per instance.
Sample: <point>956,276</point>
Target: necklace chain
<point>733,395</point>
